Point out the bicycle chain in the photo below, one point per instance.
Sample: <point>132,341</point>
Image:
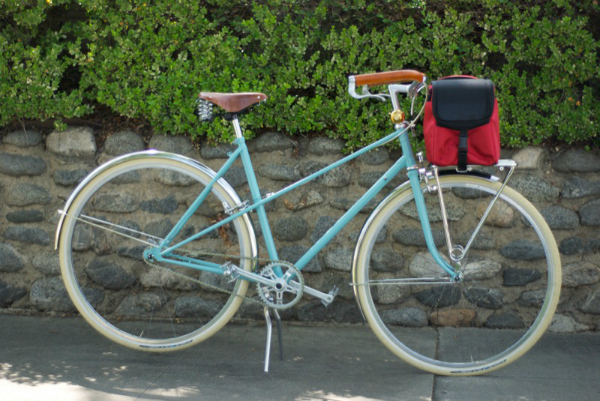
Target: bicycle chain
<point>213,287</point>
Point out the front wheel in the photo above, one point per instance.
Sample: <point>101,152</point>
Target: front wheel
<point>128,207</point>
<point>504,301</point>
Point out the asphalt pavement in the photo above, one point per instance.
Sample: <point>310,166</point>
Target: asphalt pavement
<point>53,358</point>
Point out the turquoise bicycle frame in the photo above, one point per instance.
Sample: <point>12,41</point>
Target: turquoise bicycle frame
<point>164,251</point>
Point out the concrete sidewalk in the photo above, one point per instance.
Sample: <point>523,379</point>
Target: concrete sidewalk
<point>65,359</point>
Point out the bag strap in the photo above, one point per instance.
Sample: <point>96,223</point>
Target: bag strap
<point>462,151</point>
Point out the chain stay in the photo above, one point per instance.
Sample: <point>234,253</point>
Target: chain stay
<point>232,272</point>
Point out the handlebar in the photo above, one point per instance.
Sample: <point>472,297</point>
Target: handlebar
<point>388,77</point>
<point>409,82</point>
<point>397,81</point>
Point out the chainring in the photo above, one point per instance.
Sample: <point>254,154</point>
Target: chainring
<point>282,294</point>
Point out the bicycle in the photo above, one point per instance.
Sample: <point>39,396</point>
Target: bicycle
<point>157,250</point>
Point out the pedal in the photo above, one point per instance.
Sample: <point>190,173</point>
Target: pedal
<point>332,294</point>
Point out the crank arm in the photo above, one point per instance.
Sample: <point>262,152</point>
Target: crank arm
<point>235,272</point>
<point>326,299</point>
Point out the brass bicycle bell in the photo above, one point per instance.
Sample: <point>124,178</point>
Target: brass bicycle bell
<point>397,116</point>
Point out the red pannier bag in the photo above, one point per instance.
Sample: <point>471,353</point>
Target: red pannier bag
<point>461,124</point>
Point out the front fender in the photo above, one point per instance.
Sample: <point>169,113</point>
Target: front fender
<point>400,189</point>
<point>395,193</point>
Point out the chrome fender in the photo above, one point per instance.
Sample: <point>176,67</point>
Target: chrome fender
<point>396,192</point>
<point>154,153</point>
<point>399,190</point>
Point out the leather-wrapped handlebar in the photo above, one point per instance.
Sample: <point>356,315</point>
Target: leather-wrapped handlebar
<point>389,77</point>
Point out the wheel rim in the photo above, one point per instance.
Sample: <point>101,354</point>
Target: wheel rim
<point>129,301</point>
<point>447,311</point>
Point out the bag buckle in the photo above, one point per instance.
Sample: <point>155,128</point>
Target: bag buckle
<point>463,147</point>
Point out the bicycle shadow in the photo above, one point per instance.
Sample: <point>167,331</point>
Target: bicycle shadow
<point>63,358</point>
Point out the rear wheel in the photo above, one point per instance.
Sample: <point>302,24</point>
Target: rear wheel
<point>129,206</point>
<point>504,302</point>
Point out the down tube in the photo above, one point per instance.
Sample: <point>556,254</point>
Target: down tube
<point>353,211</point>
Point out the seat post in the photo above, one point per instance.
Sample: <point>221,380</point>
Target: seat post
<point>236,127</point>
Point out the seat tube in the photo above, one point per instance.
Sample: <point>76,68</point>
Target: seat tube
<point>255,191</point>
<point>237,128</point>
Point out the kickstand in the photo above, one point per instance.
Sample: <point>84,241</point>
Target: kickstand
<point>269,335</point>
<point>279,334</point>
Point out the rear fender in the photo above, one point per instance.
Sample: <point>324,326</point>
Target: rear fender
<point>154,153</point>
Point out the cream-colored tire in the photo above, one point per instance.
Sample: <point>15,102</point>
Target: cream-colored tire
<point>152,307</point>
<point>498,310</point>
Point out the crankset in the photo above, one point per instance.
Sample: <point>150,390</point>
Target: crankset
<point>280,291</point>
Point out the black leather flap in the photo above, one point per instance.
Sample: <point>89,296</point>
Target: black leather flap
<point>463,103</point>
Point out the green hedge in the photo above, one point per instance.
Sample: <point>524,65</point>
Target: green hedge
<point>148,60</point>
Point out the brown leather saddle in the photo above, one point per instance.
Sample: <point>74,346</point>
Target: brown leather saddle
<point>233,102</point>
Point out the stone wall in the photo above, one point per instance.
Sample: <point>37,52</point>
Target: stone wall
<point>37,174</point>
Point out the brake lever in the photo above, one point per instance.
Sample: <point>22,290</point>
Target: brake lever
<point>415,88</point>
<point>413,91</point>
<point>380,96</point>
<point>365,92</point>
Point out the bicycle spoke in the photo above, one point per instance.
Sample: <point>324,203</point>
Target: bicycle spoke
<point>104,225</point>
<point>507,287</point>
<point>128,208</point>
